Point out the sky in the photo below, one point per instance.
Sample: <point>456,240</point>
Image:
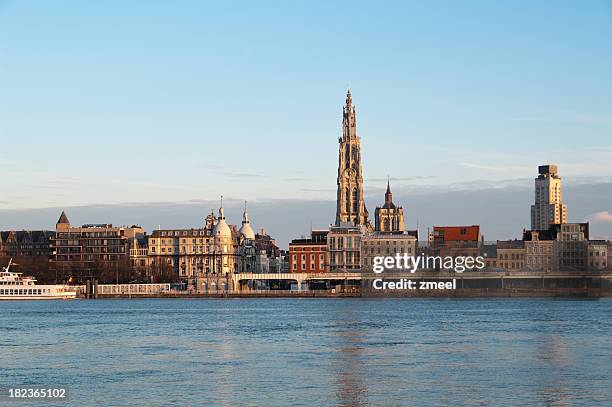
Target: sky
<point>147,102</point>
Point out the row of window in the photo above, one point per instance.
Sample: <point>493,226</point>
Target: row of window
<point>24,291</point>
<point>183,233</point>
<point>513,256</point>
<point>183,241</point>
<point>308,249</point>
<point>87,234</point>
<point>388,250</point>
<point>199,249</point>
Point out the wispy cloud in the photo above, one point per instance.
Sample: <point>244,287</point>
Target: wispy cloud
<point>317,189</point>
<point>240,175</point>
<point>404,178</point>
<point>566,116</point>
<point>600,217</point>
<point>497,168</point>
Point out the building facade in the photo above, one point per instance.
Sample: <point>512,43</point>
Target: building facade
<point>511,255</point>
<point>597,255</point>
<point>344,247</point>
<point>139,253</point>
<point>35,244</point>
<point>196,252</point>
<point>386,244</point>
<point>309,255</point>
<point>549,207</point>
<point>456,241</point>
<point>92,246</point>
<point>350,205</point>
<point>571,246</point>
<point>389,218</point>
<point>539,255</point>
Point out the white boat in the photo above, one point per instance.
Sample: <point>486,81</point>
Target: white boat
<point>14,286</point>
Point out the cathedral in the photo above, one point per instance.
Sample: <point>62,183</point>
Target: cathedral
<point>350,206</point>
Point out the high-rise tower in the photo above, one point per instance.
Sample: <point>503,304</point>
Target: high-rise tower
<point>549,207</point>
<point>350,206</point>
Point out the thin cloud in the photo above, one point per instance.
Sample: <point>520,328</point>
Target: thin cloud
<point>405,178</point>
<point>240,175</point>
<point>600,217</point>
<point>567,116</point>
<point>497,168</point>
<point>317,189</point>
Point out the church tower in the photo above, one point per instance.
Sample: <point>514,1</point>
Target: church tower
<point>350,206</point>
<point>389,218</point>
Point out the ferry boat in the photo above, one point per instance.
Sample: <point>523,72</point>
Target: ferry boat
<point>14,286</point>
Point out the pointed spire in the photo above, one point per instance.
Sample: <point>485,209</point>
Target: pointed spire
<point>221,211</point>
<point>63,219</point>
<point>388,196</point>
<point>245,215</point>
<point>349,100</point>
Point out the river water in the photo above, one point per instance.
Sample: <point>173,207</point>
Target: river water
<point>311,352</point>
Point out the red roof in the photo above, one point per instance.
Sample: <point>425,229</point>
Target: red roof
<point>457,233</point>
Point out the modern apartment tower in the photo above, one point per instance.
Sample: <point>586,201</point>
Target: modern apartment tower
<point>350,206</point>
<point>549,208</point>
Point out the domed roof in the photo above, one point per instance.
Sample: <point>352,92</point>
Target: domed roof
<point>221,228</point>
<point>246,230</point>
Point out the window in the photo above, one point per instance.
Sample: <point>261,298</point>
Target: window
<point>348,200</point>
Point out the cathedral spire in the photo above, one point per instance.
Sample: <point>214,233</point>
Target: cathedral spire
<point>388,194</point>
<point>350,206</point>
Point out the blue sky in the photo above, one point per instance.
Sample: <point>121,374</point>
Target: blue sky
<point>114,102</point>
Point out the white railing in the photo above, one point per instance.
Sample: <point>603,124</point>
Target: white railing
<point>132,289</point>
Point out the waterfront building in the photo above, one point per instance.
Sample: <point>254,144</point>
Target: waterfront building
<point>456,241</point>
<point>563,247</point>
<point>344,247</point>
<point>195,252</point>
<point>205,258</point>
<point>34,244</point>
<point>309,255</point>
<point>350,205</point>
<point>549,207</point>
<point>90,247</point>
<point>510,255</point>
<point>571,246</point>
<point>539,250</point>
<point>139,253</point>
<point>265,242</point>
<point>389,217</point>
<point>386,244</point>
<point>597,255</point>
<point>270,256</point>
<point>489,252</point>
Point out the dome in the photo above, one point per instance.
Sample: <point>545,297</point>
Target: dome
<point>246,230</point>
<point>221,228</point>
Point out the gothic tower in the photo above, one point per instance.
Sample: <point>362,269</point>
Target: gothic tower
<point>350,206</point>
<point>389,218</point>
